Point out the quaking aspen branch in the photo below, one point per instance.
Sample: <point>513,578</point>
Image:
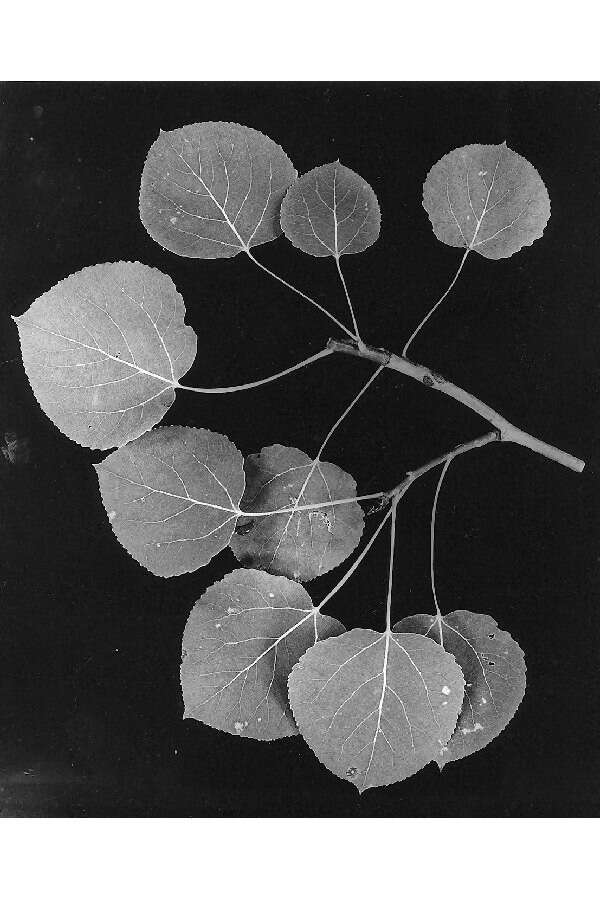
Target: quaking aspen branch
<point>431,379</point>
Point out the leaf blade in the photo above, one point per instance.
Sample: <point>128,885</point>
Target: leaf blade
<point>192,478</point>
<point>103,350</point>
<point>213,189</point>
<point>245,634</point>
<point>347,691</point>
<point>494,670</point>
<point>488,198</point>
<point>331,211</point>
<point>300,545</point>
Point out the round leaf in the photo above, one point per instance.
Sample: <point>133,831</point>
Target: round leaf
<point>104,349</point>
<point>304,544</point>
<point>494,669</point>
<point>171,497</point>
<point>240,642</point>
<point>487,198</point>
<point>375,708</point>
<point>331,211</point>
<point>213,189</point>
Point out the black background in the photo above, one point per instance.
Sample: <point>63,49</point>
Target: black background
<point>90,704</point>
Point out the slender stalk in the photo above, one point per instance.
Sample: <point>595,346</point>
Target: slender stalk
<point>350,406</point>
<point>252,384</point>
<point>312,506</point>
<point>343,280</point>
<point>357,561</point>
<point>302,294</point>
<point>433,308</point>
<point>388,609</point>
<point>432,546</point>
<point>436,382</point>
<point>395,494</point>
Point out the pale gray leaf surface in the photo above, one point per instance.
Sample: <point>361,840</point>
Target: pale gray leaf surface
<point>104,349</point>
<point>171,497</point>
<point>213,189</point>
<point>304,544</point>
<point>375,708</point>
<point>331,211</point>
<point>494,669</point>
<point>240,643</point>
<point>488,198</point>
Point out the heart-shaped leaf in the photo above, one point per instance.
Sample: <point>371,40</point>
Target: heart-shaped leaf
<point>494,669</point>
<point>304,544</point>
<point>240,643</point>
<point>171,497</point>
<point>487,198</point>
<point>375,708</point>
<point>331,211</point>
<point>213,189</point>
<point>104,349</point>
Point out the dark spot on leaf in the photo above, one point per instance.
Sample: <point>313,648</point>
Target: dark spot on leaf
<point>428,380</point>
<point>491,636</point>
<point>491,662</point>
<point>352,772</point>
<point>245,528</point>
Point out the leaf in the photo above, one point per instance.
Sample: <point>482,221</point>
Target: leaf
<point>375,708</point>
<point>488,198</point>
<point>213,189</point>
<point>104,349</point>
<point>240,642</point>
<point>331,211</point>
<point>171,497</point>
<point>494,668</point>
<point>305,544</point>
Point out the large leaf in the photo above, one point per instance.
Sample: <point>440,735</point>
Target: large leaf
<point>240,643</point>
<point>304,544</point>
<point>375,708</point>
<point>104,349</point>
<point>494,669</point>
<point>488,198</point>
<point>213,189</point>
<point>331,211</point>
<point>171,497</point>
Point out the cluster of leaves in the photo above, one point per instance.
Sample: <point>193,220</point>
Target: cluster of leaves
<point>105,350</point>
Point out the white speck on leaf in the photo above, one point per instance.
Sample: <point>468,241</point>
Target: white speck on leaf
<point>476,727</point>
<point>239,726</point>
<point>112,514</point>
<point>445,689</point>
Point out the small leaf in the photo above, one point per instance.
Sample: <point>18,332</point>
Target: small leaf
<point>240,642</point>
<point>213,189</point>
<point>304,544</point>
<point>104,349</point>
<point>171,497</point>
<point>494,669</point>
<point>488,198</point>
<point>331,211</point>
<point>375,708</point>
